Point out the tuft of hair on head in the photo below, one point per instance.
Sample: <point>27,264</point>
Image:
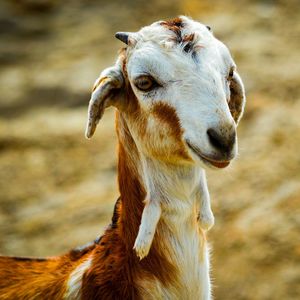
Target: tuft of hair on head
<point>175,25</point>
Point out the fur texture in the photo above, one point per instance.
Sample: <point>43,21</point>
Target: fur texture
<point>172,85</point>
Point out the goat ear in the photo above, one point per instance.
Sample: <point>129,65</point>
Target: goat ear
<point>237,97</point>
<point>105,93</point>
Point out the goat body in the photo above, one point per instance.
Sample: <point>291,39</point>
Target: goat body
<point>179,99</point>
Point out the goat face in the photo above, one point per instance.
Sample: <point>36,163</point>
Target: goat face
<point>186,93</point>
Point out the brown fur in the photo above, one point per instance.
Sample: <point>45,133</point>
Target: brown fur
<point>115,267</point>
<point>188,41</point>
<point>26,278</point>
<point>175,25</point>
<point>188,38</point>
<point>122,57</point>
<point>167,114</point>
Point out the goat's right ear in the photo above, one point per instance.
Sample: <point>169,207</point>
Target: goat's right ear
<point>105,93</point>
<point>237,97</point>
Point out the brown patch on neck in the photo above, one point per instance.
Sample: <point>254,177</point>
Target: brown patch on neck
<point>133,194</point>
<point>131,187</point>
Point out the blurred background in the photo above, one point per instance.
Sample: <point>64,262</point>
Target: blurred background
<point>57,190</point>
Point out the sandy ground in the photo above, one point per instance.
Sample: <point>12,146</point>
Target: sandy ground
<point>58,189</point>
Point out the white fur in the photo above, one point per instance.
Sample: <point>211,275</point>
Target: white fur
<point>150,218</point>
<point>206,217</point>
<point>178,232</point>
<point>159,196</point>
<point>75,280</point>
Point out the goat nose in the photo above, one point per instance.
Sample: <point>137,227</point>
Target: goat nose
<point>222,142</point>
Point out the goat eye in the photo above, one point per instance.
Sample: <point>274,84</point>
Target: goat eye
<point>145,83</point>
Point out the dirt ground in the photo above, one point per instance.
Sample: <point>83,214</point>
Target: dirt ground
<point>58,189</point>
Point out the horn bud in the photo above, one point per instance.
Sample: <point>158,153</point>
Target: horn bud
<point>123,37</point>
<point>126,37</point>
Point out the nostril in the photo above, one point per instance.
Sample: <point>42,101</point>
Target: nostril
<point>215,139</point>
<point>221,142</point>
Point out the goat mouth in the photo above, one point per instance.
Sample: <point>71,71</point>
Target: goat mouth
<point>216,163</point>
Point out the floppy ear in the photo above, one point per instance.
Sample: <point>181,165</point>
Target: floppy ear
<point>105,93</point>
<point>237,97</point>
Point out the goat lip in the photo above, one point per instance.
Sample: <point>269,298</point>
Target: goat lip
<point>219,164</point>
<point>216,163</point>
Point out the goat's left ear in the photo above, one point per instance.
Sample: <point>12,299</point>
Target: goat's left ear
<point>237,97</point>
<point>106,92</point>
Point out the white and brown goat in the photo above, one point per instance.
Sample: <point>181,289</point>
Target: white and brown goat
<point>179,99</point>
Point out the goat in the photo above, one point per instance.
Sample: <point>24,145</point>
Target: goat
<point>179,99</point>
